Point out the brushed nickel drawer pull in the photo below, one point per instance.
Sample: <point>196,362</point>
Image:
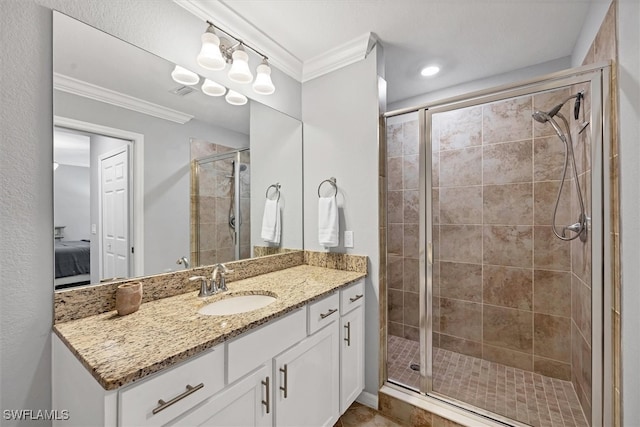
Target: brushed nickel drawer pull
<point>328,313</point>
<point>348,338</point>
<point>266,403</point>
<point>284,371</point>
<point>356,298</point>
<point>164,405</point>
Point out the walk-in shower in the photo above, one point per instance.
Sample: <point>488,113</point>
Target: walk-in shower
<point>495,292</point>
<point>220,207</point>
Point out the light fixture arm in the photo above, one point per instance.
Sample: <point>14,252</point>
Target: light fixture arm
<point>227,49</point>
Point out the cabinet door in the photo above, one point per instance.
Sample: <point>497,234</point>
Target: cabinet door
<point>351,357</point>
<point>307,387</point>
<point>248,402</point>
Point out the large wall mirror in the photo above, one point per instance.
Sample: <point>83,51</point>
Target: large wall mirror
<point>150,175</point>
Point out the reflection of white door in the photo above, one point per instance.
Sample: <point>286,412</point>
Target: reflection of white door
<point>114,201</point>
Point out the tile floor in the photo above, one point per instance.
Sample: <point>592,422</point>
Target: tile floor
<point>520,395</point>
<point>362,416</point>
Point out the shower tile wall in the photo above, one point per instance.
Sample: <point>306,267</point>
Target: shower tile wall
<point>402,230</point>
<point>502,280</point>
<point>213,198</point>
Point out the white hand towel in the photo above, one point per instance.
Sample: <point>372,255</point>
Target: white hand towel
<point>271,221</point>
<point>328,222</point>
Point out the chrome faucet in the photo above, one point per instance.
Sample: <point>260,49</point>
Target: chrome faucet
<point>205,288</point>
<point>219,270</point>
<point>183,261</point>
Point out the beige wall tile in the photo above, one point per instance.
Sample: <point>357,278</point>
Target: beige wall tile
<point>461,167</point>
<point>395,240</point>
<point>461,281</point>
<point>460,318</point>
<point>411,172</point>
<point>508,245</point>
<point>550,252</point>
<point>395,203</point>
<point>395,303</point>
<point>411,333</point>
<point>396,329</point>
<point>508,120</point>
<point>394,140</point>
<point>411,242</point>
<point>545,196</point>
<point>552,292</point>
<point>412,309</point>
<point>461,205</point>
<point>460,128</point>
<point>462,243</point>
<point>411,203</point>
<point>552,337</point>
<point>552,368</point>
<point>394,174</point>
<point>411,138</point>
<point>508,357</point>
<point>545,101</point>
<point>508,328</point>
<point>506,163</point>
<point>510,204</point>
<point>395,267</point>
<point>548,158</point>
<point>461,345</point>
<point>508,287</point>
<point>411,277</point>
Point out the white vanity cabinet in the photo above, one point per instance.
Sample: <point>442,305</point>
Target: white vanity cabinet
<point>307,387</point>
<point>302,369</point>
<point>351,344</point>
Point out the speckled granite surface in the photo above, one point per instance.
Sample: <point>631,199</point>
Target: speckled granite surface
<point>118,350</point>
<point>76,303</point>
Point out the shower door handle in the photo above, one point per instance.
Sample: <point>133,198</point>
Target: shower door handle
<point>430,253</point>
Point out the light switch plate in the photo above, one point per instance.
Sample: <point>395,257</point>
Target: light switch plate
<point>94,228</point>
<point>348,239</point>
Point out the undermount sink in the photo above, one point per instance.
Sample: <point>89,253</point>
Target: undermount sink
<point>235,304</point>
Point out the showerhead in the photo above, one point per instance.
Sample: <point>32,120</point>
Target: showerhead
<point>541,116</point>
<point>544,117</point>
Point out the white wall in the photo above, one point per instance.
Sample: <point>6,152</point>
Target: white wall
<point>276,154</point>
<point>597,11</point>
<point>71,205</point>
<point>629,98</point>
<point>166,171</point>
<point>340,115</point>
<point>26,206</point>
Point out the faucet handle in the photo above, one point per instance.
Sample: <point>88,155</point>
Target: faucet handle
<point>204,285</point>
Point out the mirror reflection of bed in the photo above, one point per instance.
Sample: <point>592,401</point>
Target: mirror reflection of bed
<point>84,206</point>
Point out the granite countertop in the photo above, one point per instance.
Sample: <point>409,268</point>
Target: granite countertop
<point>118,350</point>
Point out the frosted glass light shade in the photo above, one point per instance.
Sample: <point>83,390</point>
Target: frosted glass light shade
<point>212,88</point>
<point>183,76</point>
<point>235,98</point>
<point>263,84</point>
<point>239,71</point>
<point>210,56</point>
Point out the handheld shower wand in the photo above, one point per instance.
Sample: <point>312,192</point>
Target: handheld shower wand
<point>580,227</point>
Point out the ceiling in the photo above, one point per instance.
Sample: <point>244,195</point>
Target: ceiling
<point>468,39</point>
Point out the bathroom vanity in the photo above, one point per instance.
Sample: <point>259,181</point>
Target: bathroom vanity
<point>298,361</point>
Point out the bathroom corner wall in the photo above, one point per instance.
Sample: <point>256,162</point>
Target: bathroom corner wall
<point>340,111</point>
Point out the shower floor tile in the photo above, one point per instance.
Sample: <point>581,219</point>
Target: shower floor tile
<point>520,395</point>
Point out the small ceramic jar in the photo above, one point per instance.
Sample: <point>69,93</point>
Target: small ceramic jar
<point>128,298</point>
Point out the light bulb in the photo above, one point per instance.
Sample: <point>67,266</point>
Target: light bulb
<point>239,71</point>
<point>263,84</point>
<point>212,88</point>
<point>235,98</point>
<point>183,76</point>
<point>55,165</point>
<point>210,56</point>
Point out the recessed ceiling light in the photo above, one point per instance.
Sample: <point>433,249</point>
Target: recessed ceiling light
<point>431,70</point>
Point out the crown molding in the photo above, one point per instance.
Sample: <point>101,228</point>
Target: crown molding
<point>340,56</point>
<point>225,17</point>
<point>99,93</point>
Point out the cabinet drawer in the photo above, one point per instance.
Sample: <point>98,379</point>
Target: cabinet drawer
<point>323,312</point>
<point>351,297</point>
<point>249,351</point>
<point>204,374</point>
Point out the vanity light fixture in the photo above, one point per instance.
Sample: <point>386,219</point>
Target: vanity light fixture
<point>430,70</point>
<point>235,98</point>
<point>263,84</point>
<point>217,51</point>
<point>183,76</point>
<point>211,88</point>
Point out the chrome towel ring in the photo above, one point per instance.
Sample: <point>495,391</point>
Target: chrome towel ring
<point>277,188</point>
<point>331,181</point>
